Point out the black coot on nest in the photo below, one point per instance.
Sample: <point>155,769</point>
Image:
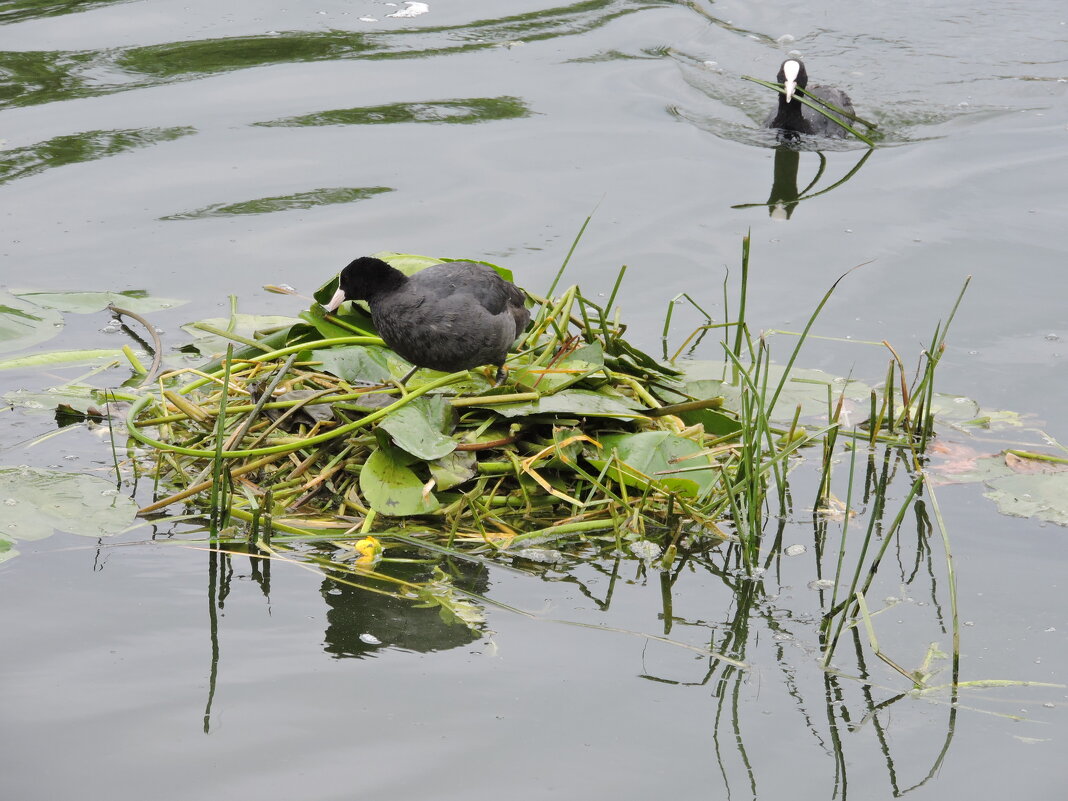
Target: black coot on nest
<point>447,317</point>
<point>794,117</point>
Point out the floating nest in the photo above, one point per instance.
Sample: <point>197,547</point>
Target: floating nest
<point>590,442</point>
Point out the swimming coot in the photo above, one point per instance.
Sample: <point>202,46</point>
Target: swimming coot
<point>794,117</point>
<point>447,317</point>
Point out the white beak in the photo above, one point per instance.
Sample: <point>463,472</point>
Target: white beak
<point>790,87</point>
<point>337,300</point>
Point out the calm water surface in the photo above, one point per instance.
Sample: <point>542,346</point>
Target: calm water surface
<point>203,149</point>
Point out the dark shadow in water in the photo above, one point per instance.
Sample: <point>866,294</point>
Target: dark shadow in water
<point>784,196</point>
<point>457,111</point>
<point>22,10</point>
<point>301,200</point>
<point>360,623</point>
<point>22,162</point>
<point>33,77</point>
<point>366,611</point>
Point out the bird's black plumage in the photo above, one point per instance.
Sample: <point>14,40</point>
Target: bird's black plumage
<point>794,117</point>
<point>448,317</point>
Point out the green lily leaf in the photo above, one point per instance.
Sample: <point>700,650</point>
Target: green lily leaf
<point>581,362</point>
<point>137,301</point>
<point>653,452</point>
<point>38,502</point>
<point>580,402</point>
<point>407,263</point>
<point>56,358</point>
<point>245,325</point>
<point>1040,495</point>
<point>454,469</point>
<point>715,423</point>
<point>391,488</point>
<point>807,387</point>
<point>355,363</point>
<point>24,324</point>
<point>78,396</point>
<point>418,427</point>
<point>354,315</point>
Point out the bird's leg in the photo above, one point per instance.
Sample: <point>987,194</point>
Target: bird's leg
<point>408,375</point>
<point>502,373</point>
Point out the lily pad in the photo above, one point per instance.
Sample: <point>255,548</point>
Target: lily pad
<point>355,363</point>
<point>583,361</point>
<point>807,387</point>
<point>24,324</point>
<point>715,423</point>
<point>580,402</point>
<point>7,550</point>
<point>353,315</point>
<point>78,396</point>
<point>418,427</point>
<point>245,325</point>
<point>57,358</point>
<point>393,489</point>
<point>407,263</point>
<point>38,502</point>
<point>454,469</point>
<point>91,302</point>
<point>1040,495</point>
<point>651,453</point>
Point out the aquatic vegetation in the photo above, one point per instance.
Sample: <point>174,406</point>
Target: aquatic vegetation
<point>292,442</point>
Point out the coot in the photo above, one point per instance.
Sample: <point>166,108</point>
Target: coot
<point>447,317</point>
<point>794,117</point>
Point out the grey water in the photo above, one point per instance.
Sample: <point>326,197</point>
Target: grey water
<point>199,150</point>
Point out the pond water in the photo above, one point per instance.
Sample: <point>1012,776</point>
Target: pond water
<point>200,149</point>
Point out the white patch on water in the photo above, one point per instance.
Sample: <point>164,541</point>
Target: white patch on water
<point>412,10</point>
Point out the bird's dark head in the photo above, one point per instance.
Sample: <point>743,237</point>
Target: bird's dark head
<point>792,75</point>
<point>364,278</point>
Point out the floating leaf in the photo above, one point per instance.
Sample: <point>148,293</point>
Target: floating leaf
<point>1040,495</point>
<point>407,263</point>
<point>78,396</point>
<point>581,402</point>
<point>654,452</point>
<point>583,361</point>
<point>90,302</point>
<point>244,325</point>
<point>36,502</point>
<point>807,387</point>
<point>391,488</point>
<point>7,550</point>
<point>949,408</point>
<point>454,469</point>
<point>24,324</point>
<point>355,363</point>
<point>267,205</point>
<point>353,315</point>
<point>418,427</point>
<point>60,357</point>
<point>715,423</point>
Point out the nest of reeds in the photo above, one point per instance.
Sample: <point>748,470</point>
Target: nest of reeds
<point>588,438</point>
